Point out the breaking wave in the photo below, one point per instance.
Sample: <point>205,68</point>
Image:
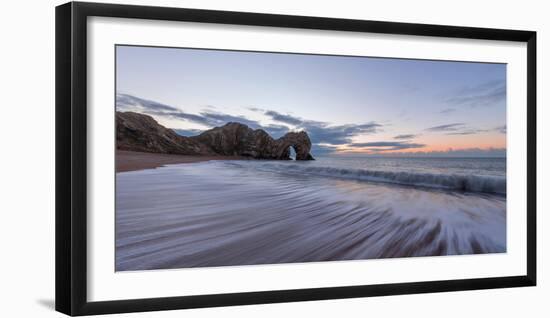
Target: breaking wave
<point>468,183</point>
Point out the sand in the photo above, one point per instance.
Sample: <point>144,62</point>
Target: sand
<point>247,213</point>
<point>132,160</point>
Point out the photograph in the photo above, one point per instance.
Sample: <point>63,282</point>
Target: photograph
<point>239,158</point>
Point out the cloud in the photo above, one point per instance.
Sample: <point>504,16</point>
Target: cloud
<point>448,111</point>
<point>125,102</point>
<point>449,153</point>
<point>188,132</point>
<point>256,109</point>
<point>447,127</point>
<point>323,149</point>
<point>343,134</point>
<point>184,116</point>
<point>462,129</point>
<point>218,119</point>
<point>380,146</point>
<point>406,136</point>
<point>319,132</point>
<point>287,119</point>
<point>501,129</point>
<point>323,132</point>
<point>468,132</point>
<point>276,131</point>
<point>485,94</point>
<point>325,137</point>
<point>468,153</point>
<point>457,129</point>
<point>222,119</point>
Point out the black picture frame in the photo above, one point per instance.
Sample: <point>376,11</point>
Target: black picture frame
<point>71,157</point>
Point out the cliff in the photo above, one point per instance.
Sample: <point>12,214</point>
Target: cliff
<point>138,132</point>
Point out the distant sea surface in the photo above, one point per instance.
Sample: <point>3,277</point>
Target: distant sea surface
<point>220,213</point>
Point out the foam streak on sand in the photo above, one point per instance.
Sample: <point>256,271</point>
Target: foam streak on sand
<point>233,213</point>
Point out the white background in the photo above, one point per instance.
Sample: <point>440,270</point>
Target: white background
<point>27,130</point>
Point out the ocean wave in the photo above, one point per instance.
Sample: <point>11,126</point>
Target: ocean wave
<point>253,212</point>
<point>468,183</point>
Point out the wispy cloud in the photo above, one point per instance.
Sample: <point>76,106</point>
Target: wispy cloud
<point>283,118</point>
<point>486,94</point>
<point>406,136</point>
<point>125,102</point>
<point>469,131</point>
<point>208,118</point>
<point>198,119</point>
<point>381,146</point>
<point>462,153</point>
<point>501,129</point>
<point>324,136</point>
<point>221,118</point>
<point>457,129</point>
<point>188,132</point>
<point>447,111</point>
<point>255,109</point>
<point>447,127</point>
<point>323,132</point>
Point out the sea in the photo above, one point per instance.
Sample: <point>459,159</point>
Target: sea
<point>335,208</point>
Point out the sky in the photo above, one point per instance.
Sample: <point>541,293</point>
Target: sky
<point>347,105</point>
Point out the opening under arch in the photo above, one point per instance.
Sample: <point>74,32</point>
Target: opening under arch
<point>292,153</point>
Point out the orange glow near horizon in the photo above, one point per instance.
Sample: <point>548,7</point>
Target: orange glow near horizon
<point>436,143</point>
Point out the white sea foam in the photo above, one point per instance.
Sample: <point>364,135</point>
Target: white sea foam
<point>470,183</point>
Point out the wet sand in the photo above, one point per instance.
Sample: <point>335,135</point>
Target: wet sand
<point>232,213</point>
<point>132,160</point>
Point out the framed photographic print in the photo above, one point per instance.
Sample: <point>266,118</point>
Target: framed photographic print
<point>212,158</point>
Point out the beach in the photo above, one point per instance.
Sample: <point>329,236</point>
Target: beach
<point>133,160</point>
<point>235,212</point>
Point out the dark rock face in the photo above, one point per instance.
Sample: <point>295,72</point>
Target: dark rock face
<point>139,132</point>
<point>235,139</point>
<point>299,141</point>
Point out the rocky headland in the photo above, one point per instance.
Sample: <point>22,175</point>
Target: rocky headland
<point>141,133</point>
